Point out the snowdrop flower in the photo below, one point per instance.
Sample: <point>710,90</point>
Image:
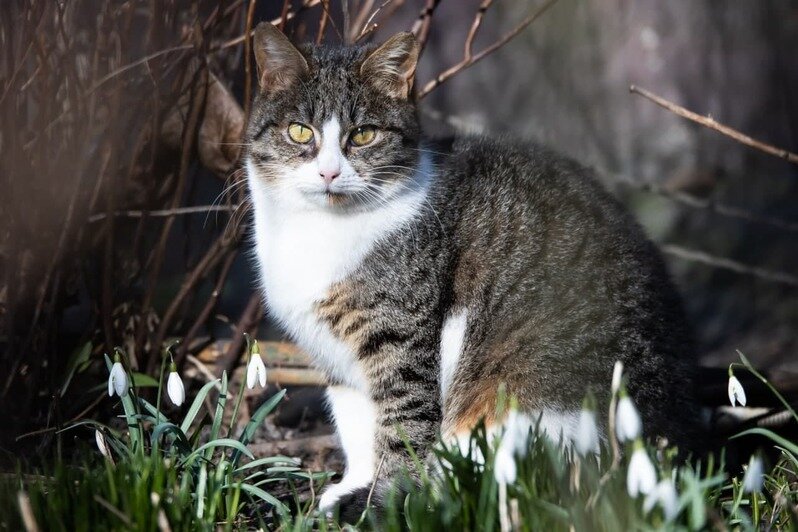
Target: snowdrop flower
<point>666,496</point>
<point>754,477</point>
<point>256,370</point>
<point>587,438</point>
<point>117,380</point>
<point>102,445</point>
<point>514,440</point>
<point>174,386</point>
<point>736,391</point>
<point>627,421</point>
<point>617,374</point>
<point>641,477</point>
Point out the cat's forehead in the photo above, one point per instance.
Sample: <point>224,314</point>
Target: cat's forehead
<point>335,86</point>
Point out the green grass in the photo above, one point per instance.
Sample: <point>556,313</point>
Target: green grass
<point>196,474</point>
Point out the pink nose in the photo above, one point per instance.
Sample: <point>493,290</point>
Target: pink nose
<point>329,175</point>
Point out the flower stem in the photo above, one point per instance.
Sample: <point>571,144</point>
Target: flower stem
<point>240,388</point>
<point>747,365</point>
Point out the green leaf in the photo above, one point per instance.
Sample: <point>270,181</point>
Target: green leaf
<point>221,442</point>
<point>170,428</point>
<point>142,380</point>
<point>219,416</point>
<point>256,421</point>
<point>261,494</point>
<point>196,405</point>
<point>787,444</point>
<point>149,407</point>
<point>78,361</point>
<point>266,461</point>
<point>201,485</point>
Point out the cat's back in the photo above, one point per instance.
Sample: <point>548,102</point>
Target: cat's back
<point>568,279</point>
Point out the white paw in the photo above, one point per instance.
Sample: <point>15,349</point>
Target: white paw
<point>329,499</point>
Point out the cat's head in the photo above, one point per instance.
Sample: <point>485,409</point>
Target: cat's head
<point>333,127</point>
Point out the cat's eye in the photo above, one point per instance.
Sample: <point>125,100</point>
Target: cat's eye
<point>300,133</point>
<point>363,135</point>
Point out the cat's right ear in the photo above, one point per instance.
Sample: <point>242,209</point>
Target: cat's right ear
<point>280,64</point>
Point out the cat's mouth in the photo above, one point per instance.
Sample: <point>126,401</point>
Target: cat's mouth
<point>337,198</point>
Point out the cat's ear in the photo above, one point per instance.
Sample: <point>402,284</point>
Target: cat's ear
<point>392,67</point>
<point>280,64</point>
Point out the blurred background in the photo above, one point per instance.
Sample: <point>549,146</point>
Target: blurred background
<point>123,219</point>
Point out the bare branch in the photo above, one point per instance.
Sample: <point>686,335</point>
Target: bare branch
<point>166,213</point>
<point>325,14</point>
<point>710,123</point>
<point>469,59</point>
<point>248,57</point>
<point>291,14</point>
<point>729,264</point>
<point>729,211</point>
<point>421,26</point>
<point>468,52</point>
<point>369,26</point>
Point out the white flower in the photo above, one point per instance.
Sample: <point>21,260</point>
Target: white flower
<point>175,389</point>
<point>117,380</point>
<point>587,438</point>
<point>514,441</point>
<point>754,477</point>
<point>504,469</point>
<point>617,373</point>
<point>641,477</point>
<point>102,445</point>
<point>256,371</point>
<point>736,391</point>
<point>666,496</point>
<point>627,421</point>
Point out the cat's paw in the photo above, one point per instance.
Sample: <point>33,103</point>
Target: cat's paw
<point>352,505</point>
<point>332,495</point>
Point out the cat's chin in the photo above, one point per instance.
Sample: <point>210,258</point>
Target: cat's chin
<point>339,202</point>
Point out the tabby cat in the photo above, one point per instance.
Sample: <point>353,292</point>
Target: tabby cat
<point>423,276</point>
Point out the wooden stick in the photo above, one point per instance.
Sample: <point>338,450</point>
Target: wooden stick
<point>711,123</point>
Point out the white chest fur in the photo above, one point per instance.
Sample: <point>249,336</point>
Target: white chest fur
<point>303,251</point>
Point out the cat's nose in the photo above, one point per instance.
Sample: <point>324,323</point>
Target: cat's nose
<point>329,174</point>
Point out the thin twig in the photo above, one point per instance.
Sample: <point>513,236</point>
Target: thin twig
<point>368,26</point>
<point>683,198</point>
<point>374,484</point>
<point>711,123</point>
<point>165,213</point>
<point>711,205</point>
<point>199,92</point>
<point>729,264</point>
<point>205,313</point>
<point>240,39</point>
<point>470,59</point>
<point>248,57</point>
<point>422,25</point>
<point>323,22</point>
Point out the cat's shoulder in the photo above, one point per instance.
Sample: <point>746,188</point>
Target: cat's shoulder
<point>510,161</point>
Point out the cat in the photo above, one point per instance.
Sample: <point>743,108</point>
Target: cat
<point>424,276</point>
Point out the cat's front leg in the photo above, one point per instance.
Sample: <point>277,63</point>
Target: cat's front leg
<point>408,413</point>
<point>354,415</point>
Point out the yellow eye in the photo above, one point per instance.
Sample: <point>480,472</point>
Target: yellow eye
<point>300,133</point>
<point>363,135</point>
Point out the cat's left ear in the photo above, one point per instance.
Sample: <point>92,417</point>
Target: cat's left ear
<point>391,68</point>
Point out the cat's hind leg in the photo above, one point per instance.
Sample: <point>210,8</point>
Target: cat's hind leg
<point>355,418</point>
